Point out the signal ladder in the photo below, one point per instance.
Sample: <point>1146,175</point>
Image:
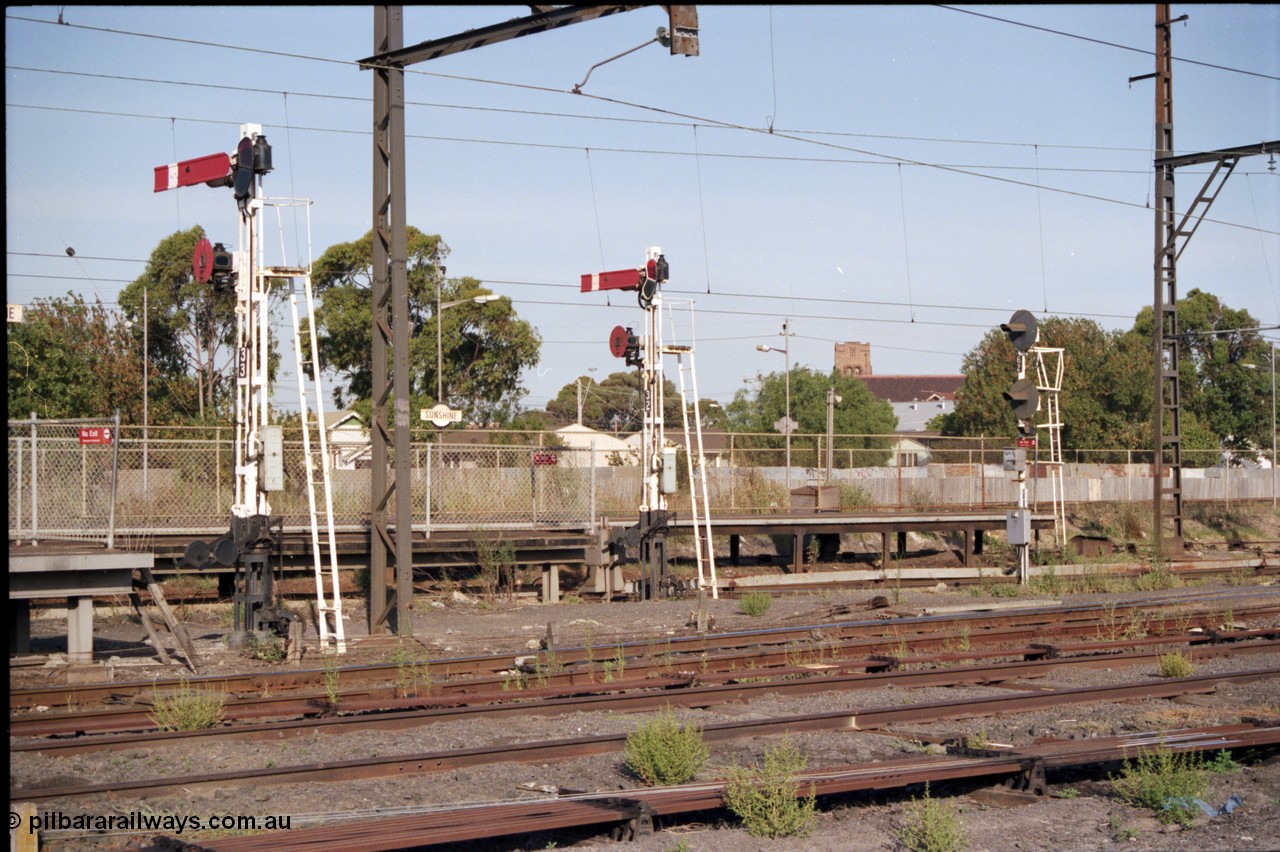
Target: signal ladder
<point>315,449</point>
<point>699,504</point>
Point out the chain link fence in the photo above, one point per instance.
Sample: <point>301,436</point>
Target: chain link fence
<point>176,480</point>
<point>63,479</point>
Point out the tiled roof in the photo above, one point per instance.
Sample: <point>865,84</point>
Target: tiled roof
<point>913,388</point>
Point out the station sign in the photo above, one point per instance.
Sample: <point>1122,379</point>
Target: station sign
<point>1027,443</point>
<point>15,312</point>
<point>546,459</point>
<point>90,435</point>
<point>441,415</point>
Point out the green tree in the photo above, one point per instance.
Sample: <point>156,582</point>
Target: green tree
<point>1217,347</point>
<point>615,404</point>
<point>859,416</point>
<point>1107,387</point>
<point>190,326</point>
<point>485,346</point>
<point>69,359</point>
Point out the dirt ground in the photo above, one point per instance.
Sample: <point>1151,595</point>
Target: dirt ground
<point>1080,814</point>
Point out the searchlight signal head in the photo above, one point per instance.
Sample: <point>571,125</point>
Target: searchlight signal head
<point>1023,330</point>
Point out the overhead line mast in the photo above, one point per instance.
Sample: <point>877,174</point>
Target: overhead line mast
<point>390,291</point>
<point>1171,238</point>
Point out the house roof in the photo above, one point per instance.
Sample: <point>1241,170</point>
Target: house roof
<point>334,419</point>
<point>913,388</point>
<point>584,437</point>
<point>915,416</point>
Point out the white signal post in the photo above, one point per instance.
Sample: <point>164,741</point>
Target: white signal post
<point>259,464</point>
<point>657,465</point>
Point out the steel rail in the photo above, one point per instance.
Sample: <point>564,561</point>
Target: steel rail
<point>548,750</point>
<point>1244,604</point>
<point>481,822</point>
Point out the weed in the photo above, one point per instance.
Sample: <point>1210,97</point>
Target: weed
<point>767,798</point>
<point>413,676</point>
<point>1175,664</point>
<point>1165,781</point>
<point>812,551</point>
<point>1068,793</point>
<point>978,741</point>
<point>930,825</point>
<point>662,751</point>
<point>619,662</point>
<point>755,603</point>
<point>332,676</point>
<point>1122,833</point>
<point>268,649</point>
<point>188,709</point>
<point>496,558</point>
<point>1223,764</point>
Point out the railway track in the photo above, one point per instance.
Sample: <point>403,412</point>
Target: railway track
<point>136,729</point>
<point>1008,650</point>
<point>860,645</point>
<point>632,812</point>
<point>856,719</point>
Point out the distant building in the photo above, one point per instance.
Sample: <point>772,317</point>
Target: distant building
<point>853,359</point>
<point>348,440</point>
<point>915,399</point>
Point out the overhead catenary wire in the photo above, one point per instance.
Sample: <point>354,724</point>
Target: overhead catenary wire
<point>698,154</point>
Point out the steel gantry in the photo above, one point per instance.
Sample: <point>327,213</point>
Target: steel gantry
<point>390,438</point>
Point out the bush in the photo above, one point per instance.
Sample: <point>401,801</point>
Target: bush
<point>188,709</point>
<point>1175,665</point>
<point>755,603</point>
<point>662,751</point>
<point>1164,781</point>
<point>931,825</point>
<point>767,799</point>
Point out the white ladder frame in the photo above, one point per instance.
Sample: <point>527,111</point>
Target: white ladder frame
<point>328,606</point>
<point>706,562</point>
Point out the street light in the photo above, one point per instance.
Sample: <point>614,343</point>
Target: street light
<point>580,378</point>
<point>785,349</point>
<point>440,309</point>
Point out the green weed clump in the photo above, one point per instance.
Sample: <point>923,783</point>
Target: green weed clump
<point>931,825</point>
<point>188,708</point>
<point>661,751</point>
<point>755,603</point>
<point>767,799</point>
<point>1175,665</point>
<point>1164,781</point>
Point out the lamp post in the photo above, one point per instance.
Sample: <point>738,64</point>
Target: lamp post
<point>785,349</point>
<point>580,378</point>
<point>832,399</point>
<point>440,309</point>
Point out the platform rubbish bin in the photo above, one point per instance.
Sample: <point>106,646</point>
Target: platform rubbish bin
<point>816,498</point>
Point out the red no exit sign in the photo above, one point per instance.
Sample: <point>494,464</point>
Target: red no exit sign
<point>95,435</point>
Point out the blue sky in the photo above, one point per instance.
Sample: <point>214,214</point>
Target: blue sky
<point>929,171</point>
